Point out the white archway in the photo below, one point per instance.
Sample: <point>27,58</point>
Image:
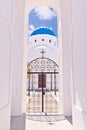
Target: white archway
<point>74,30</point>
<point>65,53</point>
<point>21,59</point>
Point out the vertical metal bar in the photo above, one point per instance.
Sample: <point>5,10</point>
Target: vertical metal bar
<point>51,82</point>
<point>29,86</point>
<point>54,81</point>
<point>42,95</point>
<point>32,82</point>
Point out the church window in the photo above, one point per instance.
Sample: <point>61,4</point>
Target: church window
<point>49,41</point>
<point>42,39</point>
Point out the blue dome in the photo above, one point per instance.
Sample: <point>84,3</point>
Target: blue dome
<point>43,31</point>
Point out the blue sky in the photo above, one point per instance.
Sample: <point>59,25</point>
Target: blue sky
<point>43,17</point>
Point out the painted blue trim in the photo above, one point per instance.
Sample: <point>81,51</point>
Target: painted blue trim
<point>43,31</point>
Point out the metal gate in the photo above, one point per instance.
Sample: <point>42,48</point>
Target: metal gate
<point>42,86</point>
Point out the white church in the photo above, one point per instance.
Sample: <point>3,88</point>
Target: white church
<point>68,53</point>
<point>43,55</point>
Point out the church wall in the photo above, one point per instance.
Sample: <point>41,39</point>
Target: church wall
<point>34,52</point>
<point>5,62</point>
<point>39,41</point>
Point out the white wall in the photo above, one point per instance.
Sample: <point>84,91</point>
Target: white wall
<point>79,56</point>
<point>66,56</point>
<point>5,62</point>
<point>17,57</point>
<point>46,40</point>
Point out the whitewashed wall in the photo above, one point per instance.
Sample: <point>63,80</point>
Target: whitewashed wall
<point>5,62</point>
<point>79,62</point>
<point>17,58</point>
<point>66,56</point>
<point>46,38</point>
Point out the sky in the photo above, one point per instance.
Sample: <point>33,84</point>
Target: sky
<point>43,17</point>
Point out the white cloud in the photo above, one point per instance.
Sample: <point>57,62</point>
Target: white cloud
<point>51,28</point>
<point>45,13</point>
<point>31,28</point>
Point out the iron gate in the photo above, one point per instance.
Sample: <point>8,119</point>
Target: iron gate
<point>42,86</point>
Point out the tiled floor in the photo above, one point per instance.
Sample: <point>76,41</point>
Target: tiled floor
<point>50,103</point>
<point>57,125</point>
<point>24,123</point>
<point>51,119</point>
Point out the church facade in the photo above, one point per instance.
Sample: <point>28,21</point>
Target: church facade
<point>43,39</point>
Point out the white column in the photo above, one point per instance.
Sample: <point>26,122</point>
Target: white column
<point>79,54</point>
<point>66,57</point>
<point>17,58</point>
<point>5,62</point>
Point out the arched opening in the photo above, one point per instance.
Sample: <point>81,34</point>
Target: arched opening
<point>26,39</point>
<point>44,62</point>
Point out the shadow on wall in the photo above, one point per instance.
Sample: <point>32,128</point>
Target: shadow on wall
<point>69,118</point>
